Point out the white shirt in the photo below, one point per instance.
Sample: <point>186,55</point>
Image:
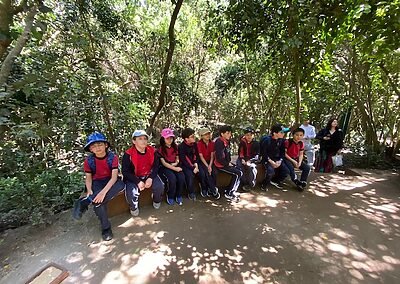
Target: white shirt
<point>309,133</point>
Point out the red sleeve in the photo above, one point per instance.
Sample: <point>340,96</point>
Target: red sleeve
<point>286,144</point>
<point>301,146</point>
<point>86,167</point>
<point>241,151</point>
<point>115,162</point>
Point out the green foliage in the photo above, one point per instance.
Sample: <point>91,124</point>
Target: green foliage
<point>32,200</point>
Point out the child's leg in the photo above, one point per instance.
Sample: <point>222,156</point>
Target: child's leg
<point>245,177</point>
<point>189,176</point>
<point>305,171</point>
<point>101,208</point>
<point>171,179</point>
<point>158,189</point>
<point>282,172</point>
<point>132,193</point>
<point>180,183</point>
<point>203,176</point>
<point>290,168</point>
<point>235,180</point>
<point>252,174</point>
<point>269,173</point>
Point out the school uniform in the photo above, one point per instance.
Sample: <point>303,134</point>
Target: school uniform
<point>274,149</point>
<point>188,157</point>
<point>249,152</point>
<point>222,163</point>
<point>293,150</point>
<point>101,170</point>
<point>209,179</point>
<point>175,181</point>
<point>137,167</point>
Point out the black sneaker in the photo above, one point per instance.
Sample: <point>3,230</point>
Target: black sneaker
<point>264,187</point>
<point>204,193</point>
<point>298,185</point>
<point>277,184</point>
<point>303,185</point>
<point>80,206</point>
<point>107,234</point>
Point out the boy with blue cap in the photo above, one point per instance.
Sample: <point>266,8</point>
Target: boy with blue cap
<point>102,183</point>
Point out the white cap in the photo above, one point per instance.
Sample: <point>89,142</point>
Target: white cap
<point>139,133</point>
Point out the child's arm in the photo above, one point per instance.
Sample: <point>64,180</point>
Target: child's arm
<point>168,165</point>
<point>219,153</point>
<point>203,160</point>
<point>102,194</point>
<point>293,161</point>
<point>88,183</point>
<point>128,170</point>
<point>301,155</point>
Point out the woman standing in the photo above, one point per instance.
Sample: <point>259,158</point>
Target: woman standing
<point>331,142</point>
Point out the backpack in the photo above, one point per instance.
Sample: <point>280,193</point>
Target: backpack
<point>92,162</point>
<point>265,141</point>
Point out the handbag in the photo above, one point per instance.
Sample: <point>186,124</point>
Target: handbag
<point>337,160</point>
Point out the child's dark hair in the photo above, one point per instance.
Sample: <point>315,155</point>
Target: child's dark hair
<point>298,130</point>
<point>187,132</point>
<point>164,147</point>
<point>224,129</point>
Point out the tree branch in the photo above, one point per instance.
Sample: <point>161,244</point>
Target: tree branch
<point>168,61</point>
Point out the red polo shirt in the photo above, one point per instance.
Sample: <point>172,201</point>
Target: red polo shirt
<point>205,149</point>
<point>102,169</point>
<point>169,154</point>
<point>293,149</point>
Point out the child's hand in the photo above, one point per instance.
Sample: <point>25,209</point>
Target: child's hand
<point>148,183</point>
<point>209,169</point>
<point>89,192</point>
<point>99,197</point>
<point>178,169</point>
<point>196,170</point>
<point>141,185</point>
<point>175,164</point>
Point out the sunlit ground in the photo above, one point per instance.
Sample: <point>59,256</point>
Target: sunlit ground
<point>344,229</point>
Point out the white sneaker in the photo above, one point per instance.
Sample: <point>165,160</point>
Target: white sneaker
<point>156,205</point>
<point>135,212</point>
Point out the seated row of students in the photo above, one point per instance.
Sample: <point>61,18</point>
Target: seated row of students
<point>174,167</point>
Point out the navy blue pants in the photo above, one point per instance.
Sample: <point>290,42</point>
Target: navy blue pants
<point>101,208</point>
<point>175,182</point>
<point>208,181</point>
<point>132,192</point>
<point>305,170</point>
<point>249,172</point>
<point>279,174</point>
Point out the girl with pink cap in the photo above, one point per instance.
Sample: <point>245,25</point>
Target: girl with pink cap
<point>170,171</point>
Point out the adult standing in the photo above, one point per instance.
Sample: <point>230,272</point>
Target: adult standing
<point>309,134</point>
<point>331,142</point>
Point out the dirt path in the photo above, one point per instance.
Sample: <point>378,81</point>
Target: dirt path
<point>345,229</point>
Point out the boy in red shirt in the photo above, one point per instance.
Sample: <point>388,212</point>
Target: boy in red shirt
<point>249,150</point>
<point>102,183</point>
<point>294,152</point>
<point>140,165</point>
<point>206,170</point>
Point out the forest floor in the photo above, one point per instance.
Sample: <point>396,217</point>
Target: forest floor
<point>343,229</point>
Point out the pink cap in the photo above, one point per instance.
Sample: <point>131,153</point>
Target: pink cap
<point>167,132</point>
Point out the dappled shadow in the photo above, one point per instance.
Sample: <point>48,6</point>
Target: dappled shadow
<point>348,236</point>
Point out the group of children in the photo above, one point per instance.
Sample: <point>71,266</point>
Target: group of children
<point>173,168</point>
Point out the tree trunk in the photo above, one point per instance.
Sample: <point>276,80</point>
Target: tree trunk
<point>7,64</point>
<point>168,61</point>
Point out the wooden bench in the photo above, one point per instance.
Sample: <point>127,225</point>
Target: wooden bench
<point>118,204</point>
